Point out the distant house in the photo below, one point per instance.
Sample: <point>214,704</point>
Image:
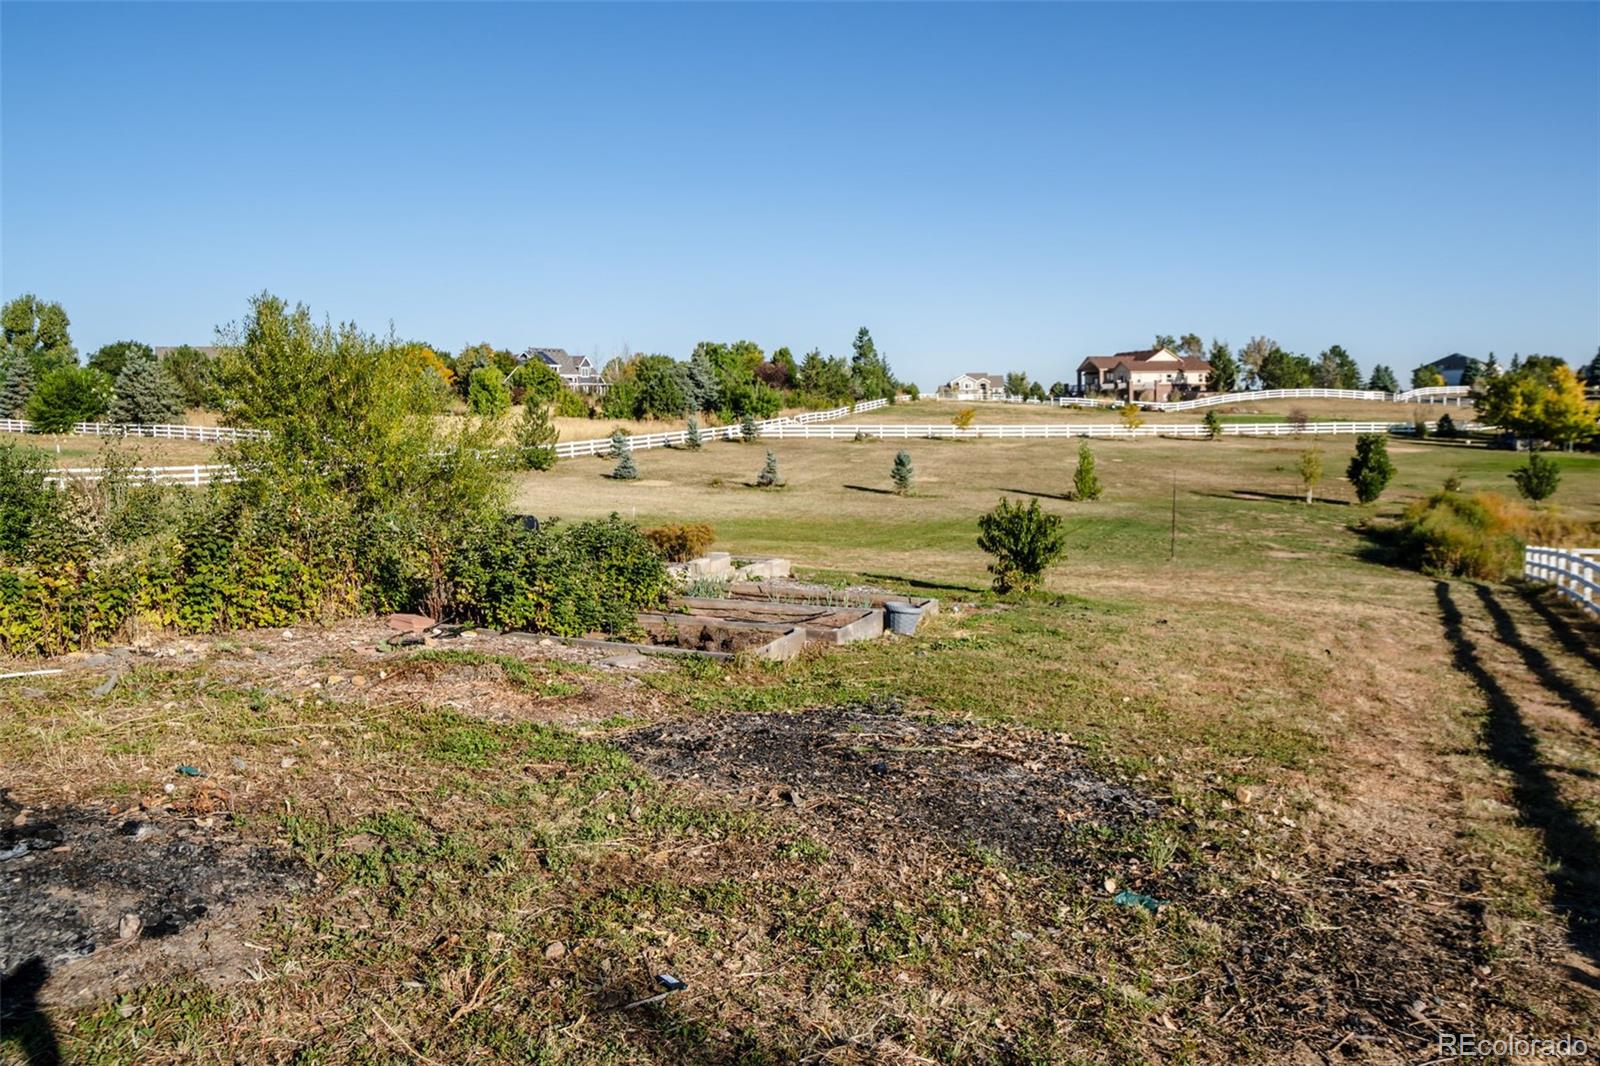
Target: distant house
<point>1152,374</point>
<point>974,387</point>
<point>1451,367</point>
<point>577,371</point>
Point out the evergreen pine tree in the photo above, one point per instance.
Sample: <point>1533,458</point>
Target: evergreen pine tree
<point>620,444</point>
<point>15,385</point>
<point>625,470</point>
<point>145,392</point>
<point>1085,482</point>
<point>1213,425</point>
<point>691,439</point>
<point>749,432</point>
<point>902,474</point>
<point>769,478</point>
<point>1538,478</point>
<point>536,437</point>
<point>1370,468</point>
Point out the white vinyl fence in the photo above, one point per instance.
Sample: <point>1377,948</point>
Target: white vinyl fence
<point>573,449</point>
<point>1046,430</point>
<point>1433,394</point>
<point>1573,572</point>
<point>198,474</point>
<point>211,434</point>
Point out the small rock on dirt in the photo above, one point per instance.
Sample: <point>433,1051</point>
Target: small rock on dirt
<point>555,950</point>
<point>128,927</point>
<point>408,623</point>
<point>628,660</point>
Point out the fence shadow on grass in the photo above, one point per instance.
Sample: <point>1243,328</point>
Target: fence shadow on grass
<point>1581,639</point>
<point>1065,497</point>
<point>1552,679</point>
<point>1509,741</point>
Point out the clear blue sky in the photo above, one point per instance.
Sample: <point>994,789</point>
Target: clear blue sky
<point>985,187</point>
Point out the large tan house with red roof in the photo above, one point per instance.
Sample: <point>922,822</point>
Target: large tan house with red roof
<point>1153,374</point>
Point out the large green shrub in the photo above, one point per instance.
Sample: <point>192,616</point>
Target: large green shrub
<point>27,501</point>
<point>1085,480</point>
<point>487,394</point>
<point>145,392</point>
<point>1025,541</point>
<point>568,580</point>
<point>1479,535</point>
<point>66,396</point>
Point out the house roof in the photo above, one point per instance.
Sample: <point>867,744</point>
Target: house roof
<point>994,380</point>
<point>559,359</point>
<point>1144,360</point>
<point>1453,361</point>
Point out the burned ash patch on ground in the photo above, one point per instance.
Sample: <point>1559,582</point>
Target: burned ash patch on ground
<point>1023,794</point>
<point>102,900</point>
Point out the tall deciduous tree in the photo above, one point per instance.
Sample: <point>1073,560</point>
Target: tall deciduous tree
<point>110,358</point>
<point>1282,370</point>
<point>1191,345</point>
<point>195,374</point>
<point>1253,354</point>
<point>145,393</point>
<point>1542,400</point>
<point>37,331</point>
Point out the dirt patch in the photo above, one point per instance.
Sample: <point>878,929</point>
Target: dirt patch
<point>1023,794</point>
<point>101,901</point>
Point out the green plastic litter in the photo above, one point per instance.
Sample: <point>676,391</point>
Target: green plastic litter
<point>189,771</point>
<point>1130,898</point>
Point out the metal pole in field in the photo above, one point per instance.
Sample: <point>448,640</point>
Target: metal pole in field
<point>1172,546</point>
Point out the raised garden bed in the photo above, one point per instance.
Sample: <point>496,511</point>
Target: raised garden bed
<point>822,623</point>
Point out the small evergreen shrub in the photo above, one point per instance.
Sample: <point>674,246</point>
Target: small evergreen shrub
<point>1024,540</point>
<point>1213,425</point>
<point>1370,469</point>
<point>1085,480</point>
<point>1538,478</point>
<point>620,444</point>
<point>769,477</point>
<point>680,543</point>
<point>1446,428</point>
<point>625,470</point>
<point>749,431</point>
<point>902,474</point>
<point>691,438</point>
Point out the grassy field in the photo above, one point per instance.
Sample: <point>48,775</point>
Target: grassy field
<point>1367,800</point>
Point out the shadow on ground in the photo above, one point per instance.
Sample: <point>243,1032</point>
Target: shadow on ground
<point>1509,740</point>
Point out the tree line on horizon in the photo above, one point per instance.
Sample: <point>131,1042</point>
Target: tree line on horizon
<point>43,380</point>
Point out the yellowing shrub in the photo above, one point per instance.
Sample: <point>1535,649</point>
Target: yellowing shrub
<point>1480,535</point>
<point>680,543</point>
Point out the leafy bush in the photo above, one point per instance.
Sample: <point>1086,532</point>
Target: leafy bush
<point>1478,536</point>
<point>1085,481</point>
<point>568,580</point>
<point>487,394</point>
<point>678,543</point>
<point>1309,467</point>
<point>1131,418</point>
<point>66,396</point>
<point>1025,541</point>
<point>1213,425</point>
<point>570,405</point>
<point>1538,478</point>
<point>1370,469</point>
<point>27,501</point>
<point>964,417</point>
<point>902,473</point>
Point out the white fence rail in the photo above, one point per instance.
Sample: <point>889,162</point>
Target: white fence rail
<point>574,449</point>
<point>1433,394</point>
<point>213,434</point>
<point>1046,430</point>
<point>793,429</point>
<point>1573,572</point>
<point>198,474</point>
